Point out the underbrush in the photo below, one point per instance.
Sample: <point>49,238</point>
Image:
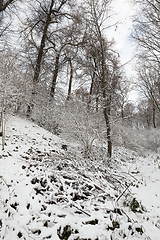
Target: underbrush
<point>139,140</point>
<point>75,122</point>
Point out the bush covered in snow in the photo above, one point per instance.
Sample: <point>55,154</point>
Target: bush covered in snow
<point>139,140</point>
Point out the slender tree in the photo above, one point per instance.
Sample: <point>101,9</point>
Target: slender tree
<point>70,79</point>
<point>146,34</point>
<point>102,59</point>
<point>40,29</point>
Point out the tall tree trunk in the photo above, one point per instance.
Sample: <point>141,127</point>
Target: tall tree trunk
<point>3,124</point>
<point>122,113</point>
<point>42,45</point>
<point>106,112</point>
<point>70,80</point>
<point>91,90</point>
<point>106,102</point>
<point>39,60</point>
<point>97,101</point>
<point>154,116</point>
<point>3,5</point>
<point>55,75</point>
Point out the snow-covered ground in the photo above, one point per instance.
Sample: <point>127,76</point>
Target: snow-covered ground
<point>48,190</point>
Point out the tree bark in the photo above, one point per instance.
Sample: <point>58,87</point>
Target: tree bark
<point>39,60</point>
<point>106,112</point>
<point>42,45</point>
<point>55,75</point>
<point>90,91</point>
<point>106,101</point>
<point>70,80</point>
<point>3,5</point>
<point>2,124</point>
<point>154,117</point>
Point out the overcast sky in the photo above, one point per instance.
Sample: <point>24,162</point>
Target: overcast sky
<point>124,11</point>
<point>123,14</point>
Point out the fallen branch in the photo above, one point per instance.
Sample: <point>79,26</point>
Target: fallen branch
<point>127,215</point>
<point>91,182</point>
<point>73,205</point>
<point>123,192</point>
<point>8,185</point>
<point>81,210</point>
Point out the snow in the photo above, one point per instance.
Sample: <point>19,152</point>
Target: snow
<point>44,188</point>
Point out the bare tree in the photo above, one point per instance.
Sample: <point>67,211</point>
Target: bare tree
<point>5,4</point>
<point>146,34</point>
<point>149,82</point>
<point>44,16</point>
<point>147,30</point>
<point>8,11</point>
<point>57,26</point>
<point>70,40</point>
<point>43,21</point>
<point>103,60</point>
<point>70,79</point>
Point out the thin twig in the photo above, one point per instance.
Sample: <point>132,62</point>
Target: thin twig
<point>123,192</point>
<point>81,210</point>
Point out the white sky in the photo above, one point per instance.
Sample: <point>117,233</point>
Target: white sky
<point>124,11</point>
<point>123,14</point>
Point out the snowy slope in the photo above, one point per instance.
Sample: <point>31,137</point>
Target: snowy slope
<point>47,192</point>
